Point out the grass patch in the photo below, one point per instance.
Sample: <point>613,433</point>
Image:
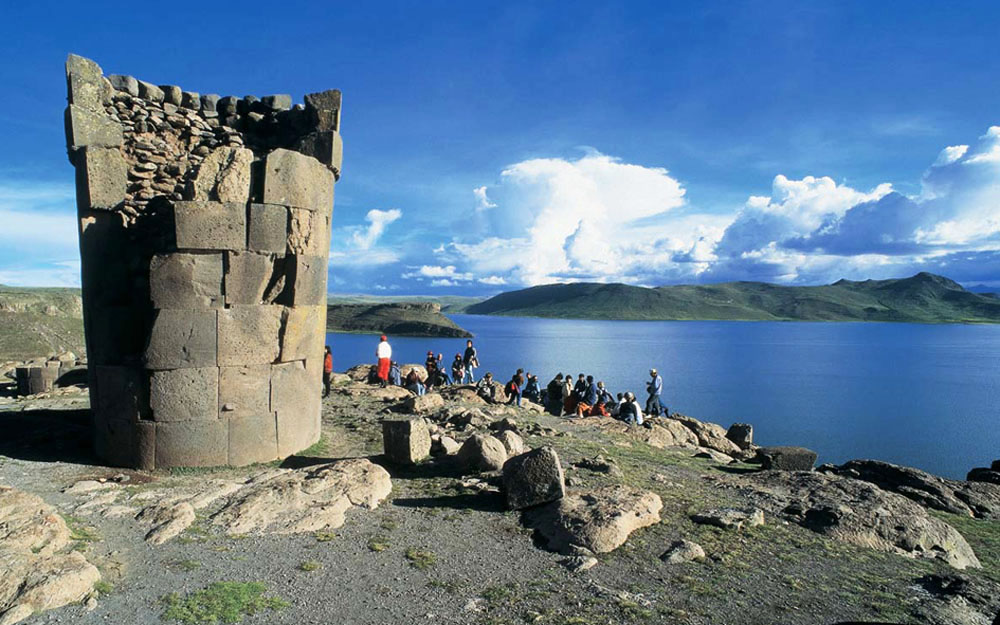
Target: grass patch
<point>226,602</point>
<point>319,448</point>
<point>497,595</point>
<point>185,565</point>
<point>103,587</point>
<point>378,544</point>
<point>324,537</point>
<point>422,559</point>
<point>309,566</point>
<point>983,536</point>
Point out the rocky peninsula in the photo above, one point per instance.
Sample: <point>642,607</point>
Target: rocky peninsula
<point>395,318</point>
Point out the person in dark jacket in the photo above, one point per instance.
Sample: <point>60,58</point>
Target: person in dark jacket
<point>580,388</point>
<point>589,398</point>
<point>531,389</point>
<point>513,389</point>
<point>553,395</point>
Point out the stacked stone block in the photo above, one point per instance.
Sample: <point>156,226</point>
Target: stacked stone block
<point>204,238</point>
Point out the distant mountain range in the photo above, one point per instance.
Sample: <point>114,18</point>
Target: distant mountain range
<point>923,298</point>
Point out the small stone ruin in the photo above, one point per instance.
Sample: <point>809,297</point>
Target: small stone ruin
<point>204,236</point>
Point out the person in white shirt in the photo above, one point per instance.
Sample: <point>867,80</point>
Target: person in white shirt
<point>630,412</point>
<point>384,355</point>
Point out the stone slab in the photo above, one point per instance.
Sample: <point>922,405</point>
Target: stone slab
<point>325,107</point>
<point>204,225</point>
<point>121,394</point>
<point>84,81</point>
<point>308,232</point>
<point>305,333</point>
<point>182,339</point>
<point>87,128</point>
<point>406,441</point>
<point>252,438</point>
<point>326,146</point>
<point>245,391</point>
<point>786,458</point>
<point>293,179</point>
<point>145,446</point>
<point>115,441</point>
<point>192,444</point>
<point>102,176</point>
<point>224,176</point>
<point>249,335</point>
<point>309,285</point>
<point>268,229</point>
<point>149,91</point>
<point>248,275</point>
<point>186,281</point>
<point>295,398</point>
<point>185,394</point>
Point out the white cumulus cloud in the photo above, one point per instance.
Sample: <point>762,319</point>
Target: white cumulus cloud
<point>377,221</point>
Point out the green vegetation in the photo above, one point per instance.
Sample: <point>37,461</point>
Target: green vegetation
<point>309,566</point>
<point>104,587</point>
<point>226,602</point>
<point>400,319</point>
<point>40,321</point>
<point>378,544</point>
<point>422,559</point>
<point>923,298</point>
<point>450,304</point>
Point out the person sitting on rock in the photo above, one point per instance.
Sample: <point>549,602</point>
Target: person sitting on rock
<point>531,389</point>
<point>458,369</point>
<point>580,388</point>
<point>568,396</point>
<point>553,395</point>
<point>616,407</point>
<point>630,411</point>
<point>604,399</point>
<point>485,388</point>
<point>513,389</point>
<point>431,365</point>
<point>589,399</point>
<point>414,383</point>
<point>395,375</point>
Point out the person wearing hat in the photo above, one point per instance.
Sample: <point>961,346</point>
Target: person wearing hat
<point>384,355</point>
<point>654,387</point>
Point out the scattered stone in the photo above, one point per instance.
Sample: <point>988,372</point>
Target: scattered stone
<point>406,441</point>
<point>600,521</point>
<point>786,458</point>
<point>503,425</point>
<point>860,513</point>
<point>511,442</point>
<point>709,434</point>
<point>741,434</point>
<point>730,518</point>
<point>578,564</point>
<point>681,551</point>
<point>533,478</point>
<point>715,456</point>
<point>449,446</point>
<point>599,465</point>
<point>981,474</point>
<point>423,404</point>
<point>167,521</point>
<point>482,453</point>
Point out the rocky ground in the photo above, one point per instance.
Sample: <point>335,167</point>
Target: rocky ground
<point>654,525</point>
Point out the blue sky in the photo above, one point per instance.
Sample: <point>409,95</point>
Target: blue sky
<point>495,145</point>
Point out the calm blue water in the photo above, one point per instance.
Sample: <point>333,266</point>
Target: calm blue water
<point>921,395</point>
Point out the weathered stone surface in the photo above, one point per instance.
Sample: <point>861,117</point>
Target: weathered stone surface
<point>711,454</point>
<point>786,458</point>
<point>182,338</point>
<point>423,404</point>
<point>249,335</point>
<point>84,83</point>
<point>513,443</point>
<point>982,474</point>
<point>268,228</point>
<point>305,333</point>
<point>324,107</point>
<point>172,94</point>
<point>326,146</point>
<point>32,380</point>
<point>860,513</point>
<point>105,175</point>
<point>224,176</point>
<point>186,281</point>
<point>253,438</point>
<point>449,446</point>
<point>293,179</point>
<point>192,443</point>
<point>730,518</point>
<point>126,84</point>
<point>533,478</point>
<point>600,521</point>
<point>191,100</point>
<point>248,274</point>
<point>167,521</point>
<point>245,391</point>
<point>185,394</point>
<point>202,225</point>
<point>87,128</point>
<point>482,453</point>
<point>405,441</point>
<point>122,393</point>
<point>149,91</point>
<point>209,102</point>
<point>741,434</point>
<point>681,551</point>
<point>295,397</point>
<point>305,500</point>
<point>308,232</point>
<point>279,102</point>
<point>927,490</point>
<point>709,435</point>
<point>310,280</point>
<point>36,575</point>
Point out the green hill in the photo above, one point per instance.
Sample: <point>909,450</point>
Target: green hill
<point>40,321</point>
<point>924,298</point>
<point>400,319</point>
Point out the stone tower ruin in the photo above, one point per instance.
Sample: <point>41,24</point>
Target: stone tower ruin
<point>204,235</point>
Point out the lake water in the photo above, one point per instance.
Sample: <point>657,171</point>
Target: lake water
<point>926,396</point>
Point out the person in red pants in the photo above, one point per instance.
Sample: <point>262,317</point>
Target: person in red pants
<point>384,355</point>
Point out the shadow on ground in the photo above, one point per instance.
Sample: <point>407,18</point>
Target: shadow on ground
<point>48,436</point>
<point>482,502</point>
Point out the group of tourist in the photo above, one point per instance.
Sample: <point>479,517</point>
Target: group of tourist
<point>583,398</point>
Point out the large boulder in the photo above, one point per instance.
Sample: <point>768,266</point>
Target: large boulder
<point>288,501</point>
<point>930,491</point>
<point>461,393</point>
<point>730,518</point>
<point>709,435</point>
<point>423,404</point>
<point>361,373</point>
<point>982,474</point>
<point>786,458</point>
<point>513,443</point>
<point>859,513</point>
<point>533,478</point>
<point>741,434</point>
<point>482,453</point>
<point>599,521</point>
<point>406,441</point>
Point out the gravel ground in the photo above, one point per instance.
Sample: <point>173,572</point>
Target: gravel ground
<point>486,567</point>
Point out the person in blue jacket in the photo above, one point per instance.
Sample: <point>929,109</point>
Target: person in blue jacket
<point>654,406</point>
